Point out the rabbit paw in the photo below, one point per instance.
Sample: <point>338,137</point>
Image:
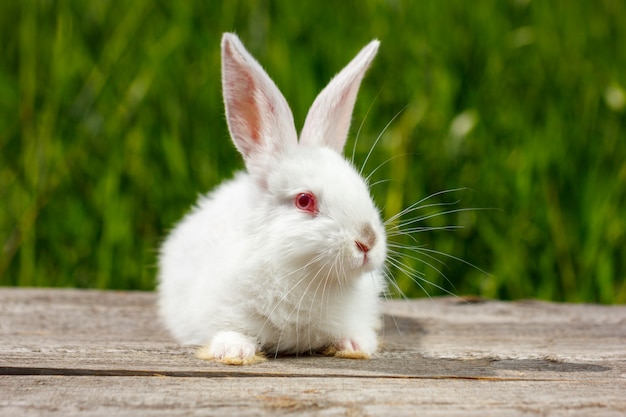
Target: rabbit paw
<point>348,349</point>
<point>231,348</point>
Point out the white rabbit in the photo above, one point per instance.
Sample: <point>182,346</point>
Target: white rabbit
<point>287,257</point>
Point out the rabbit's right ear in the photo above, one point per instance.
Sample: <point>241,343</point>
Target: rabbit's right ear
<point>328,120</point>
<point>259,119</point>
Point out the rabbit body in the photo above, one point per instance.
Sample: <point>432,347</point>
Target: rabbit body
<point>286,257</point>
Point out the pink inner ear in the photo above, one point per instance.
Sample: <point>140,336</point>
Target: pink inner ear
<point>241,107</point>
<point>248,110</point>
<point>246,119</point>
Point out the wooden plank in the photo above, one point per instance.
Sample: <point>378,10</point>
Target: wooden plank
<point>73,352</point>
<point>106,396</point>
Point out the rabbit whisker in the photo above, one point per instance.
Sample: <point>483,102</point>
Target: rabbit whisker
<point>415,230</point>
<point>416,205</point>
<point>417,276</point>
<point>428,264</point>
<point>456,258</point>
<point>443,213</point>
<point>328,267</point>
<point>380,135</point>
<point>382,164</point>
<point>358,133</point>
<point>417,250</point>
<point>284,296</point>
<point>409,272</point>
<point>422,207</point>
<point>378,183</point>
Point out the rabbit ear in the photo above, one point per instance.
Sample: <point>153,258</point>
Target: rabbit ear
<point>259,119</point>
<point>328,120</point>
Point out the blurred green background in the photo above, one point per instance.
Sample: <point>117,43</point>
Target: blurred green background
<point>111,123</point>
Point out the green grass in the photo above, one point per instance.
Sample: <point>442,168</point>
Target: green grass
<point>111,123</point>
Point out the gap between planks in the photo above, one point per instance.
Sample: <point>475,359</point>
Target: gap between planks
<point>31,371</point>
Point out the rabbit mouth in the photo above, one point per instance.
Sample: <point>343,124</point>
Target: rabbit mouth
<point>364,261</point>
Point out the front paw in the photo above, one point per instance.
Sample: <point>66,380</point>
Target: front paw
<point>231,348</point>
<point>351,348</point>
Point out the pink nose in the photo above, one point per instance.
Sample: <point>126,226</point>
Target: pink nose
<point>362,246</point>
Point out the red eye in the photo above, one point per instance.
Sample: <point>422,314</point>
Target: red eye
<point>306,202</point>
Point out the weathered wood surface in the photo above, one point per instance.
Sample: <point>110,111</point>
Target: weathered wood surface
<point>70,352</point>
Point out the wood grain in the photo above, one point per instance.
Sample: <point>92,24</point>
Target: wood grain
<point>75,352</point>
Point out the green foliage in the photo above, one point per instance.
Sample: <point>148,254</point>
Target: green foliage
<point>111,123</point>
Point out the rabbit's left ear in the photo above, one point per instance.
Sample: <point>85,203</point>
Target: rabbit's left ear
<point>328,120</point>
<point>259,118</point>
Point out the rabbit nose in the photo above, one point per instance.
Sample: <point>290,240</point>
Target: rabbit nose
<point>367,238</point>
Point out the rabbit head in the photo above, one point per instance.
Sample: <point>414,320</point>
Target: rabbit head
<point>314,199</point>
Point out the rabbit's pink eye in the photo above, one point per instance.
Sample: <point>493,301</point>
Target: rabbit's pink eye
<point>306,202</point>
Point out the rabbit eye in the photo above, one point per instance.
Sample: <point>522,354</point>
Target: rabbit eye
<point>306,202</point>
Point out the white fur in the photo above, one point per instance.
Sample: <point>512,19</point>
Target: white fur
<point>246,267</point>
